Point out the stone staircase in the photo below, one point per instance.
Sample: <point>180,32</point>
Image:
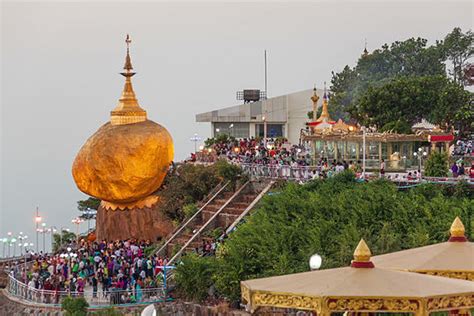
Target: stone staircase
<point>221,213</point>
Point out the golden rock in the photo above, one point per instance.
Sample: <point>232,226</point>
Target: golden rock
<point>124,163</point>
<point>127,159</point>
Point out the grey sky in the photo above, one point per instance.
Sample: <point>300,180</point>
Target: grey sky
<point>60,64</point>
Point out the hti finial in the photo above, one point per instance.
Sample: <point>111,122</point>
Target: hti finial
<point>128,61</point>
<point>315,99</point>
<point>362,256</point>
<point>457,230</point>
<point>366,52</point>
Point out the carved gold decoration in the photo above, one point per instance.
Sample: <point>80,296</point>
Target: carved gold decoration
<point>285,300</point>
<point>245,292</point>
<point>457,228</point>
<point>148,202</point>
<point>362,252</point>
<point>450,302</point>
<point>462,275</point>
<point>372,304</point>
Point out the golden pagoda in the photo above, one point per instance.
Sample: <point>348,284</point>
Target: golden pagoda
<point>127,159</point>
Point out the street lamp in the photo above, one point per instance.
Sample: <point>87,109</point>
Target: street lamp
<point>420,154</point>
<point>364,134</point>
<point>264,119</point>
<point>13,241</point>
<point>68,256</point>
<point>231,128</point>
<point>38,220</point>
<point>26,245</point>
<point>77,221</point>
<point>44,231</point>
<point>195,139</point>
<point>21,238</point>
<point>4,241</point>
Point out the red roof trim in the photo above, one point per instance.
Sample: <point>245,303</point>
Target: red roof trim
<point>441,138</point>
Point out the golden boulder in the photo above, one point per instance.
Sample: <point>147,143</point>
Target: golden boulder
<point>124,163</point>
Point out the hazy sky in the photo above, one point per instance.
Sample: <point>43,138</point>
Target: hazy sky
<point>60,65</point>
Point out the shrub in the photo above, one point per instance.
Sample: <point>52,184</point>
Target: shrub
<point>75,306</point>
<point>436,165</point>
<point>228,171</point>
<point>109,311</point>
<point>189,210</point>
<point>193,277</point>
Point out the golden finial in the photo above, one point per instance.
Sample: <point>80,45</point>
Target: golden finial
<point>324,117</point>
<point>362,256</point>
<point>457,230</point>
<point>362,252</point>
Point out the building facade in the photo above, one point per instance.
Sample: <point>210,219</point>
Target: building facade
<point>284,116</point>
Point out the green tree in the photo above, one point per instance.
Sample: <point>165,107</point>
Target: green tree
<point>85,206</point>
<point>61,239</point>
<point>75,306</point>
<point>407,58</point>
<point>457,48</point>
<point>436,165</point>
<point>398,104</point>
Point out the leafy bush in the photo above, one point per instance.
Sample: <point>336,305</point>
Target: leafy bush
<point>327,217</point>
<point>189,184</point>
<point>189,210</point>
<point>228,171</point>
<point>436,165</point>
<point>75,306</point>
<point>109,311</point>
<point>193,277</point>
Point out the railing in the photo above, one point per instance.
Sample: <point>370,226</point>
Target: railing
<point>95,299</point>
<point>182,227</point>
<point>208,222</point>
<point>302,173</point>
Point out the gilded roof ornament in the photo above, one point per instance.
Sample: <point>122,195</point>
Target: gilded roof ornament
<point>362,256</point>
<point>324,117</point>
<point>457,230</point>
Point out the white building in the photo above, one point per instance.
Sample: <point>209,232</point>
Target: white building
<point>285,116</point>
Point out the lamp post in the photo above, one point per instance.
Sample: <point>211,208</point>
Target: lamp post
<point>44,231</point>
<point>38,220</point>
<point>77,221</point>
<point>13,242</point>
<point>21,238</point>
<point>264,119</point>
<point>420,154</point>
<point>364,134</point>
<point>231,129</point>
<point>9,234</point>
<point>26,245</point>
<point>195,139</point>
<point>68,256</point>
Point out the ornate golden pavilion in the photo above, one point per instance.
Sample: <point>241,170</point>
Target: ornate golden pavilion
<point>344,141</point>
<point>453,259</point>
<point>362,287</point>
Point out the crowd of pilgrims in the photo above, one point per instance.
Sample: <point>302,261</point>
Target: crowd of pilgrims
<point>105,268</point>
<point>278,159</point>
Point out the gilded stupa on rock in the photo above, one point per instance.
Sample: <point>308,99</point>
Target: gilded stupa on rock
<point>127,159</point>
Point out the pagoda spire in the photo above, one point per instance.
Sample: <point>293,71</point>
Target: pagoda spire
<point>365,52</point>
<point>315,99</point>
<point>324,117</point>
<point>128,110</point>
<point>362,256</point>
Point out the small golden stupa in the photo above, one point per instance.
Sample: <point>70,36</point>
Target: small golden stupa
<point>127,159</point>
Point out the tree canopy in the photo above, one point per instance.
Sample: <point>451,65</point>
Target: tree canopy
<point>405,62</point>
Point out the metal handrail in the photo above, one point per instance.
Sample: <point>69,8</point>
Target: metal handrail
<point>249,207</point>
<point>208,222</point>
<point>182,227</point>
<point>21,290</point>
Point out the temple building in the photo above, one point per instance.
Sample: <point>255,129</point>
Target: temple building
<point>338,140</point>
<point>284,115</point>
